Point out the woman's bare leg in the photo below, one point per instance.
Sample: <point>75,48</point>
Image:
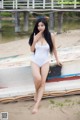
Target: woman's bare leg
<point>37,78</point>
<point>44,73</point>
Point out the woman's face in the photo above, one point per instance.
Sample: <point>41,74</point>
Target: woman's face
<point>41,26</point>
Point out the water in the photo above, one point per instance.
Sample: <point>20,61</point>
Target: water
<point>8,32</point>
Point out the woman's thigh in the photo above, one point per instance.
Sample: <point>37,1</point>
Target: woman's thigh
<point>35,71</point>
<point>44,71</point>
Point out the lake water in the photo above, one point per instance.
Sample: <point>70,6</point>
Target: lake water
<point>8,32</point>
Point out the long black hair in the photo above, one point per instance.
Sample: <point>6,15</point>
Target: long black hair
<point>46,33</point>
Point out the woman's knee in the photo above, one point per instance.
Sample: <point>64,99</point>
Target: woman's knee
<point>37,77</point>
<point>43,84</point>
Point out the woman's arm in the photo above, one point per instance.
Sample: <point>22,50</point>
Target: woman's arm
<point>54,49</point>
<point>35,39</point>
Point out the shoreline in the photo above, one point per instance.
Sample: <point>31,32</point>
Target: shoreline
<point>21,47</point>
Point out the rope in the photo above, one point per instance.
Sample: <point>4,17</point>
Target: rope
<point>45,95</point>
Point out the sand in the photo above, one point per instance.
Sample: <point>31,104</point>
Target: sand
<point>60,108</point>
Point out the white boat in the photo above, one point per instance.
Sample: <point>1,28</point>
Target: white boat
<point>16,77</point>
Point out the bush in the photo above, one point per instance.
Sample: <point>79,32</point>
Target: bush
<point>6,14</point>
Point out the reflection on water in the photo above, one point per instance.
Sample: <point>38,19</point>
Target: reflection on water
<point>10,35</point>
<point>7,34</point>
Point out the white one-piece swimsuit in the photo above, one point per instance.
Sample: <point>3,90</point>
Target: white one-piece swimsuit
<point>41,55</point>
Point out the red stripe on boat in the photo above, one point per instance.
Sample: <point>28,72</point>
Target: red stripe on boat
<point>63,79</point>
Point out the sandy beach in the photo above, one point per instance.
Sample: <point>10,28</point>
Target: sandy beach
<point>59,108</point>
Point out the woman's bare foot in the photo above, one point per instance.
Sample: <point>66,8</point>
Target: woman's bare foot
<point>35,109</point>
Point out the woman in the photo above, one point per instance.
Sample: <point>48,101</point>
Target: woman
<point>41,42</point>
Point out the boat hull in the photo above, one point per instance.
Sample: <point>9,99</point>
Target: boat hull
<point>19,81</point>
<point>16,75</point>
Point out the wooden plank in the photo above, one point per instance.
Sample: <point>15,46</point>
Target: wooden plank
<point>39,10</point>
<point>18,4</point>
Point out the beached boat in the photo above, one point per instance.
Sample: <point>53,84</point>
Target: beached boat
<point>16,78</point>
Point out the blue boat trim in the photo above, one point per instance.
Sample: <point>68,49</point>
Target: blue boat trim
<point>64,76</point>
<point>9,57</point>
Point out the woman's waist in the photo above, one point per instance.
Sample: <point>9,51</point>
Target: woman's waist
<point>41,55</point>
<point>38,56</point>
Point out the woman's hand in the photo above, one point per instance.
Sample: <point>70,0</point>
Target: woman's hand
<point>59,63</point>
<point>37,36</point>
<point>35,39</point>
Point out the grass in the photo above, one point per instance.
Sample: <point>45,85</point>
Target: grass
<point>6,14</point>
<point>66,102</point>
<point>78,102</point>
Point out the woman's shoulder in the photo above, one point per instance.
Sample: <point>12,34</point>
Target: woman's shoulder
<point>52,34</point>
